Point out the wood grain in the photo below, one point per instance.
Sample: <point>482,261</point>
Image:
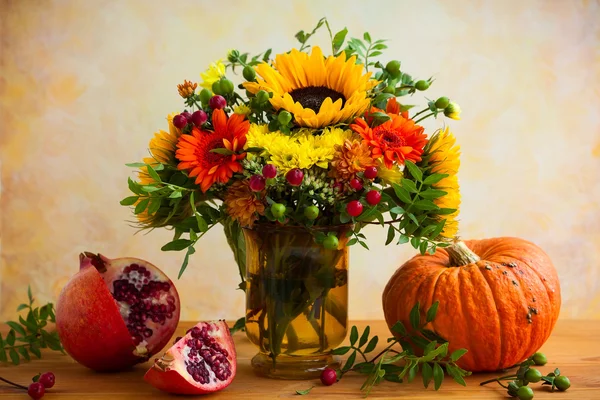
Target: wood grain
<point>573,348</point>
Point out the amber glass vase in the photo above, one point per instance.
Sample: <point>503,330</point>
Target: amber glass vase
<point>296,299</point>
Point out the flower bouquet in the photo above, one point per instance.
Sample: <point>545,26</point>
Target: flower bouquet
<point>293,162</point>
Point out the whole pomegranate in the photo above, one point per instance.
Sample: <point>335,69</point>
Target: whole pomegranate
<point>203,361</point>
<point>116,313</point>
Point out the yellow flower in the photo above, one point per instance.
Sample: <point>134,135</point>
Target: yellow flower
<point>444,158</point>
<point>452,111</point>
<point>317,91</point>
<point>241,109</point>
<point>214,72</point>
<point>242,204</point>
<point>186,89</point>
<point>164,144</point>
<point>389,176</point>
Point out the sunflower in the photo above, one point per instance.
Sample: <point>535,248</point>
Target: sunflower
<point>242,204</point>
<point>444,158</point>
<point>350,158</point>
<point>195,155</point>
<point>317,91</point>
<point>215,71</point>
<point>396,140</point>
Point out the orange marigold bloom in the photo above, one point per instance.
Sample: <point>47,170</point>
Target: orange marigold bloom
<point>186,89</point>
<point>242,204</point>
<point>393,107</point>
<point>351,157</point>
<point>397,139</point>
<point>194,151</point>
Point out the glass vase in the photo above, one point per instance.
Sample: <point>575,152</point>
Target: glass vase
<point>296,299</point>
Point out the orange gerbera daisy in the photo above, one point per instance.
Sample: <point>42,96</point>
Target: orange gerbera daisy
<point>393,107</point>
<point>397,139</point>
<point>194,151</point>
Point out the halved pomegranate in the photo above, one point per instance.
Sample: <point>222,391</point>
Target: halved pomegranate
<point>203,361</point>
<point>116,313</point>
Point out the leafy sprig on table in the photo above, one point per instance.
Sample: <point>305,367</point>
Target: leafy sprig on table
<point>28,335</point>
<point>433,363</point>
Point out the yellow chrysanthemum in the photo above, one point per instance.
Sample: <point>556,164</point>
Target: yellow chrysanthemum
<point>445,159</point>
<point>389,176</point>
<point>214,72</point>
<point>317,91</point>
<point>241,109</point>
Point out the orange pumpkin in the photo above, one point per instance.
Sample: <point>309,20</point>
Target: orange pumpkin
<point>498,298</point>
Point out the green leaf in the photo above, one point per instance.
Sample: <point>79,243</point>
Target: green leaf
<point>415,171</point>
<point>133,186</point>
<point>353,335</point>
<point>128,201</point>
<point>338,39</point>
<point>364,337</point>
<point>431,313</point>
<point>14,356</point>
<point>153,174</point>
<point>3,357</point>
<point>397,210</point>
<point>350,362</point>
<point>254,150</point>
<point>425,205</point>
<point>401,193</point>
<point>135,165</point>
<point>141,206</point>
<point>427,373</point>
<point>16,327</point>
<point>409,185</point>
<point>150,188</point>
<point>191,250</point>
<point>398,327</point>
<point>177,245</point>
<point>239,325</point>
<point>434,178</point>
<point>431,335</point>
<point>392,378</point>
<point>456,354</point>
<point>154,206</point>
<point>10,338</point>
<point>432,194</point>
<point>455,373</point>
<point>402,239</point>
<point>412,372</point>
<point>305,391</point>
<point>202,225</point>
<point>222,151</point>
<point>29,295</point>
<point>438,375</point>
<point>415,316</point>
<point>24,353</point>
<point>367,37</point>
<point>429,348</point>
<point>372,344</point>
<point>391,233</point>
<point>35,350</point>
<point>22,307</point>
<point>340,351</point>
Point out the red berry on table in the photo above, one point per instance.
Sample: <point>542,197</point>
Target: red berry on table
<point>328,377</point>
<point>217,102</point>
<point>269,171</point>
<point>36,390</point>
<point>199,118</point>
<point>47,379</point>
<point>180,121</point>
<point>354,208</point>
<point>370,173</point>
<point>294,176</point>
<point>356,184</point>
<point>257,183</point>
<point>373,197</point>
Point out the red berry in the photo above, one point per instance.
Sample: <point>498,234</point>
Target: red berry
<point>187,115</point>
<point>217,102</point>
<point>269,171</point>
<point>338,187</point>
<point>356,184</point>
<point>47,379</point>
<point>294,176</point>
<point>373,197</point>
<point>257,183</point>
<point>199,118</point>
<point>328,376</point>
<point>36,390</point>
<point>354,208</point>
<point>180,121</point>
<point>370,173</point>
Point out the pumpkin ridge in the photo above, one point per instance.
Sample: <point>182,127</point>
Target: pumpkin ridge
<point>466,316</point>
<point>502,342</point>
<point>433,288</point>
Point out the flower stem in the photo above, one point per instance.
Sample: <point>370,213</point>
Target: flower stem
<point>12,383</point>
<point>420,112</point>
<point>498,379</point>
<point>383,351</point>
<point>422,118</point>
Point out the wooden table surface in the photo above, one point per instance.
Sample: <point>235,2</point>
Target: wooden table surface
<point>573,348</point>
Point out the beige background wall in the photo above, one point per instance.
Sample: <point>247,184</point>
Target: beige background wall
<point>84,84</point>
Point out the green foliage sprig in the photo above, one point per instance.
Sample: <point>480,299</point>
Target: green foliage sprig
<point>399,364</point>
<point>27,335</point>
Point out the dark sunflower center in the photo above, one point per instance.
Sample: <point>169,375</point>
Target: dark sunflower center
<point>313,96</point>
<point>392,138</point>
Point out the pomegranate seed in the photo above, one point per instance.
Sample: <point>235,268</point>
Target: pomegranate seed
<point>328,376</point>
<point>269,171</point>
<point>257,183</point>
<point>373,197</point>
<point>199,118</point>
<point>36,390</point>
<point>354,208</point>
<point>294,176</point>
<point>356,184</point>
<point>370,173</point>
<point>217,102</point>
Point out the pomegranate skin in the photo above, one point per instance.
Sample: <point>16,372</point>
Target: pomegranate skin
<point>84,334</point>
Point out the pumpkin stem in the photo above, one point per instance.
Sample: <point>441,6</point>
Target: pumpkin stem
<point>460,254</point>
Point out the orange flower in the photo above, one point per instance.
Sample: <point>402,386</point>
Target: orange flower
<point>242,204</point>
<point>186,89</point>
<point>393,107</point>
<point>397,139</point>
<point>194,151</point>
<point>351,157</point>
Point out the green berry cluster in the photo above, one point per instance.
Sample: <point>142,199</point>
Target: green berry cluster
<point>519,382</point>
